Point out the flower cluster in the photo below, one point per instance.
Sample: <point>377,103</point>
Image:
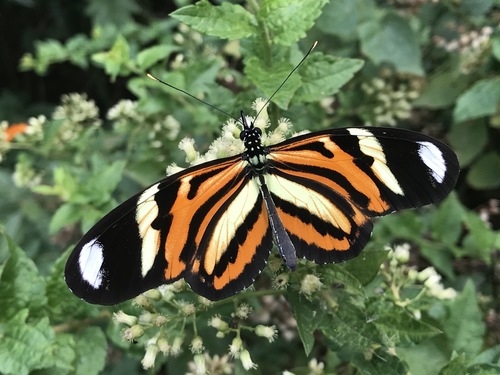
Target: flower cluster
<point>128,119</point>
<point>76,112</point>
<point>190,40</point>
<point>472,46</point>
<point>160,332</point>
<point>398,276</point>
<point>124,113</point>
<point>390,102</point>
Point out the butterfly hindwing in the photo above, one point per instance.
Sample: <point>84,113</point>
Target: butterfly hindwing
<point>327,186</point>
<point>235,246</point>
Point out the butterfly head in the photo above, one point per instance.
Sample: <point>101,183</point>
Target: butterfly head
<point>251,135</point>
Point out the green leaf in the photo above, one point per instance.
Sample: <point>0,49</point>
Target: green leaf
<point>440,255</point>
<point>349,328</point>
<point>480,240</point>
<point>227,21</point>
<point>402,225</point>
<point>288,20</point>
<point>64,355</point>
<point>490,355</point>
<point>378,362</point>
<point>61,303</point>
<point>78,50</point>
<point>336,274</point>
<point>447,220</point>
<point>476,7</point>
<point>65,181</point>
<point>48,52</point>
<point>484,173</point>
<point>366,266</point>
<point>468,139</point>
<point>399,324</point>
<point>483,369</point>
<point>24,346</point>
<point>22,286</point>
<point>112,12</point>
<point>482,99</point>
<point>116,60</point>
<point>65,215</point>
<point>107,176</point>
<point>150,56</point>
<point>457,365</point>
<point>391,40</point>
<point>425,358</point>
<point>308,318</point>
<point>464,326</point>
<point>342,17</point>
<point>268,79</point>
<point>495,46</point>
<point>91,348</point>
<point>324,75</point>
<point>441,91</point>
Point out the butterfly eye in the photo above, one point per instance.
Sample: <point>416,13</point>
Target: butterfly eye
<point>258,131</point>
<point>243,135</point>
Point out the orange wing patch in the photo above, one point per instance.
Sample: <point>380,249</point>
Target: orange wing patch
<point>15,129</point>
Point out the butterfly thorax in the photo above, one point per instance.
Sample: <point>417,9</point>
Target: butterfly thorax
<point>255,153</point>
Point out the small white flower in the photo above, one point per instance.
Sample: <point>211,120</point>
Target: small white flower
<point>315,367</point>
<point>121,317</point>
<point>187,145</point>
<point>217,323</point>
<point>163,345</point>
<point>246,360</point>
<point>173,168</point>
<point>310,284</point>
<point>186,308</point>
<point>269,332</point>
<point>176,347</point>
<point>402,253</point>
<point>197,345</point>
<point>243,310</point>
<point>133,333</point>
<point>149,358</point>
<point>199,365</point>
<point>260,107</point>
<point>235,347</point>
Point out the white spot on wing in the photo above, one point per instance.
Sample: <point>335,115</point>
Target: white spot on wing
<point>370,146</point>
<point>433,158</point>
<point>146,213</point>
<point>90,263</point>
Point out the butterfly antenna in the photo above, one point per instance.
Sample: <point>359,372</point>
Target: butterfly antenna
<point>288,76</point>
<point>149,75</point>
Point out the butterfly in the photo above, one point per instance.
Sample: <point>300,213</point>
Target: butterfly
<point>13,130</point>
<point>214,224</point>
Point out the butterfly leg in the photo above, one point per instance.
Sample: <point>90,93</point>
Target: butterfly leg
<point>281,237</point>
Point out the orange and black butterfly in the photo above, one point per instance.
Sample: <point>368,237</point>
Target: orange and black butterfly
<point>214,224</point>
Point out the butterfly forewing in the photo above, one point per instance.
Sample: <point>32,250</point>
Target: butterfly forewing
<point>327,186</point>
